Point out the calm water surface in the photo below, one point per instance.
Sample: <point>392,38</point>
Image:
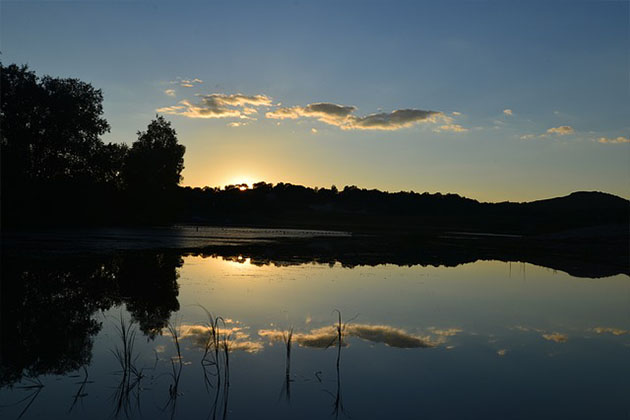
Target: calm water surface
<point>481,340</point>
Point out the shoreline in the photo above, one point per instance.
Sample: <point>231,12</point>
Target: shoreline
<point>581,255</point>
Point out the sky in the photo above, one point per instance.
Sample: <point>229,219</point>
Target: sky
<point>493,100</point>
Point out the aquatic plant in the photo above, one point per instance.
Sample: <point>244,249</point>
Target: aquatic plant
<point>130,374</point>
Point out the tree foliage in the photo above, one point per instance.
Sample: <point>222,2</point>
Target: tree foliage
<point>56,169</point>
<point>51,127</point>
<point>156,160</point>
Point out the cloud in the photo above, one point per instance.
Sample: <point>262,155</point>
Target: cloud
<point>556,337</point>
<point>314,130</point>
<point>186,82</point>
<point>219,105</point>
<point>618,140</point>
<point>455,113</point>
<point>169,92</point>
<point>501,352</point>
<point>508,112</point>
<point>239,99</point>
<point>455,128</point>
<point>563,130</point>
<point>395,120</point>
<point>342,116</point>
<point>326,112</point>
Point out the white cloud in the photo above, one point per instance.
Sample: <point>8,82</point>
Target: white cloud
<point>527,136</point>
<point>456,128</point>
<point>395,120</point>
<point>241,106</point>
<point>342,116</point>
<point>508,112</point>
<point>314,130</point>
<point>170,92</point>
<point>186,82</point>
<point>219,105</point>
<point>326,112</point>
<point>617,140</point>
<point>563,130</point>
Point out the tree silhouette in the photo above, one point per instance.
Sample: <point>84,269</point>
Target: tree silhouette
<point>55,169</point>
<point>52,158</point>
<point>51,127</point>
<point>152,171</point>
<point>155,160</point>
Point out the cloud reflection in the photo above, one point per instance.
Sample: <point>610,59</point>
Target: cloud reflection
<point>556,337</point>
<point>326,336</point>
<point>609,330</point>
<point>238,339</point>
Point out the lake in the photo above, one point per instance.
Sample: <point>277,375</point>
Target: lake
<point>200,335</point>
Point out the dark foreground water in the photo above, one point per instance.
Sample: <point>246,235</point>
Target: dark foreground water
<point>128,336</point>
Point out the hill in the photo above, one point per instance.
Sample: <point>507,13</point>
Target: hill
<point>356,209</point>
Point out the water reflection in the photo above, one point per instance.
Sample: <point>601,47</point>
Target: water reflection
<point>49,306</point>
<point>324,337</point>
<point>576,258</point>
<point>128,389</point>
<point>135,327</point>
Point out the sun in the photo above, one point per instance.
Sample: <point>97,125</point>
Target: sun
<point>243,182</point>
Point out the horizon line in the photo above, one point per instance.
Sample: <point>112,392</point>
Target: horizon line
<point>340,189</point>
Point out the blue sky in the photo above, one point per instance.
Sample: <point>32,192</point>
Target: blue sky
<point>561,69</point>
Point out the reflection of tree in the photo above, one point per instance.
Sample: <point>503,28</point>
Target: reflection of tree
<point>149,283</point>
<point>47,306</point>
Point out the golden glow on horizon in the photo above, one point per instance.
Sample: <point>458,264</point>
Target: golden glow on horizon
<point>244,182</point>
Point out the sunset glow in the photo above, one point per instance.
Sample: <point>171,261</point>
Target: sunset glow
<point>314,209</point>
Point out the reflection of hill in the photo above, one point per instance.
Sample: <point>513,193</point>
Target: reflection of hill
<point>596,251</point>
<point>48,302</point>
<point>47,306</point>
<point>579,257</point>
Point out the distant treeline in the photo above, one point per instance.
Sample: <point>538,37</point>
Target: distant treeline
<point>353,208</point>
<point>56,170</point>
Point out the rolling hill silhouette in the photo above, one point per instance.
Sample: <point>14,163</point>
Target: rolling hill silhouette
<point>355,209</point>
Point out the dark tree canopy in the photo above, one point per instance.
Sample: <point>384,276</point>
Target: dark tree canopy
<point>156,160</point>
<point>51,127</point>
<point>55,168</point>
